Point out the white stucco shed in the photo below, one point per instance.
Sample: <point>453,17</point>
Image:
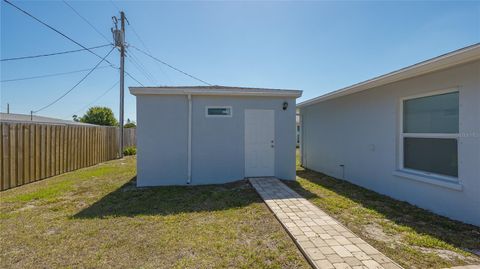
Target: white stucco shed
<point>214,134</point>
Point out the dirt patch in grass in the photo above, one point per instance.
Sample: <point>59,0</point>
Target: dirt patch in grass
<point>97,218</point>
<point>443,253</point>
<point>413,237</point>
<point>376,232</point>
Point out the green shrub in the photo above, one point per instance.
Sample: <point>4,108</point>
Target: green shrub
<point>130,151</point>
<point>99,116</point>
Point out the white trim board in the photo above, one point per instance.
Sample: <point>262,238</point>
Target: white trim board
<point>214,90</point>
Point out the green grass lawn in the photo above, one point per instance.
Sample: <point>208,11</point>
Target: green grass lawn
<point>413,237</point>
<point>96,218</point>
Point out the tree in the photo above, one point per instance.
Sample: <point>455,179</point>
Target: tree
<point>99,116</point>
<point>129,124</point>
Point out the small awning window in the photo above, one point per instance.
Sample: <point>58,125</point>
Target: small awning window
<point>218,111</point>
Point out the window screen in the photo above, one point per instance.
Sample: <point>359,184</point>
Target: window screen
<point>431,114</point>
<point>434,155</point>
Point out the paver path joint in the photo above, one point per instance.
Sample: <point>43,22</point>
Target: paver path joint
<point>323,240</point>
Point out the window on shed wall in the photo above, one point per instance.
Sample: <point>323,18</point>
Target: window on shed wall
<point>429,138</point>
<point>218,111</point>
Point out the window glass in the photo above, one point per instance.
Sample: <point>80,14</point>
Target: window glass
<point>431,114</point>
<point>219,111</point>
<point>434,155</point>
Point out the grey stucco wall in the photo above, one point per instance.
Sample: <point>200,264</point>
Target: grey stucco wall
<point>344,131</point>
<point>162,125</point>
<point>217,143</point>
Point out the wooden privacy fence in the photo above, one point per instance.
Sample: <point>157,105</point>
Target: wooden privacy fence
<point>31,152</point>
<point>129,137</point>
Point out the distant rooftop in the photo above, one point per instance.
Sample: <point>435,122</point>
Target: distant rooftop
<point>24,118</point>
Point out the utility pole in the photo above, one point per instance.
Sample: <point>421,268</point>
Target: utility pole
<point>8,108</point>
<point>122,77</point>
<point>119,36</point>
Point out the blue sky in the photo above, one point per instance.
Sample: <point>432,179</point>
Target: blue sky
<point>316,47</point>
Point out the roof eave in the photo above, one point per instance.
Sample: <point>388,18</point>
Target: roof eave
<point>190,91</point>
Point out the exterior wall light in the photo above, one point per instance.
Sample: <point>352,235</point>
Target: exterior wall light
<point>285,105</point>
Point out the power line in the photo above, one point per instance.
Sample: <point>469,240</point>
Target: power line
<point>144,73</point>
<point>78,83</point>
<point>128,74</point>
<point>96,99</point>
<point>141,41</point>
<point>55,30</point>
<point>172,67</point>
<point>67,37</point>
<point>115,5</point>
<point>137,60</point>
<point>51,54</point>
<point>134,56</point>
<point>50,75</point>
<point>148,50</point>
<point>140,67</point>
<point>94,28</point>
<point>85,20</point>
<point>77,43</point>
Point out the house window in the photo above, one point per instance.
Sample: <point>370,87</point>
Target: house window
<point>218,111</point>
<point>429,137</point>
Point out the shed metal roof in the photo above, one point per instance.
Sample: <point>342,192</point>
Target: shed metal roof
<point>214,90</point>
<point>457,57</point>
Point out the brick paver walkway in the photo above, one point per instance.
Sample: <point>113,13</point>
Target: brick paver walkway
<point>324,241</point>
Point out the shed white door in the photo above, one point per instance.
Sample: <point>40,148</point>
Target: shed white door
<point>259,143</point>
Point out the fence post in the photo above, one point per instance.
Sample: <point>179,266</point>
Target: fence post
<point>32,151</point>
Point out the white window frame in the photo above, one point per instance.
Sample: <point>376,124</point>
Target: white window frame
<point>218,116</point>
<point>425,176</point>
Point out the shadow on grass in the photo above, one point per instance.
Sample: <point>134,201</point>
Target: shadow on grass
<point>128,200</point>
<point>456,233</point>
